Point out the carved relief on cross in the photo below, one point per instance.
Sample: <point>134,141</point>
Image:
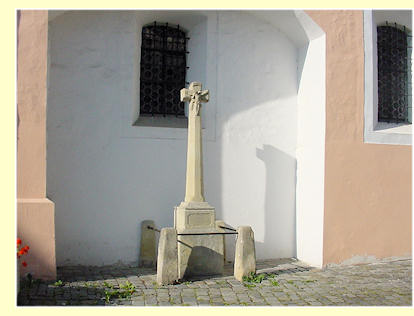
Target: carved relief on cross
<point>195,96</point>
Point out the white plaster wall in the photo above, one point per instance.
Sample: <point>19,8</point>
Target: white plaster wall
<point>256,130</point>
<point>310,150</point>
<point>104,185</point>
<point>311,156</point>
<point>106,175</point>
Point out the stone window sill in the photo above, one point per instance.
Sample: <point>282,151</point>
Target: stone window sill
<point>389,133</point>
<point>393,128</point>
<point>161,121</point>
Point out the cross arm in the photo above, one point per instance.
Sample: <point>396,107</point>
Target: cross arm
<point>204,96</point>
<point>185,95</point>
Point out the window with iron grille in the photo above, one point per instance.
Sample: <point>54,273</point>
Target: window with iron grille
<point>163,70</point>
<point>394,74</point>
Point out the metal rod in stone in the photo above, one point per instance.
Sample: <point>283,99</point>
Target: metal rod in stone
<point>149,227</point>
<point>200,234</point>
<point>224,227</point>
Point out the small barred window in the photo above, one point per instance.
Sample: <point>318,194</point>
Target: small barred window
<point>394,74</point>
<point>163,70</point>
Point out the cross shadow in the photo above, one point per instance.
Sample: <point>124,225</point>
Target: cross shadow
<point>203,261</point>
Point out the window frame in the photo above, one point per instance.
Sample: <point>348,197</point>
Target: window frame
<point>165,63</point>
<point>397,73</point>
<point>201,27</point>
<point>374,131</point>
<point>160,120</point>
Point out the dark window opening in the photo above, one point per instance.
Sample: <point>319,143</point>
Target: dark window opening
<point>163,70</point>
<point>394,74</point>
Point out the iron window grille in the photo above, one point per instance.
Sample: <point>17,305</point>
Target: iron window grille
<point>394,73</point>
<point>163,70</point>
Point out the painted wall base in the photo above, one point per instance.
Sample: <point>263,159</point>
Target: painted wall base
<point>36,228</point>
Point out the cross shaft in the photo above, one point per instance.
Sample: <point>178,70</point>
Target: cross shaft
<point>194,190</point>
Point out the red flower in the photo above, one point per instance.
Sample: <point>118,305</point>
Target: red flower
<point>21,251</point>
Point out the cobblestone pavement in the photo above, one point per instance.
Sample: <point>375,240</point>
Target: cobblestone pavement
<point>280,282</point>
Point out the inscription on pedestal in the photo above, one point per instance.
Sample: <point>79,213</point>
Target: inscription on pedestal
<point>194,219</point>
<point>200,219</point>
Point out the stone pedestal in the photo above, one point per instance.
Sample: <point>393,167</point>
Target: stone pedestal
<point>198,254</point>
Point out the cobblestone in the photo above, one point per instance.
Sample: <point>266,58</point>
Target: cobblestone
<point>288,282</point>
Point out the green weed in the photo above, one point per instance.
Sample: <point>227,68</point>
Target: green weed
<point>125,291</point>
<point>252,279</point>
<point>255,278</point>
<point>274,282</point>
<point>58,283</point>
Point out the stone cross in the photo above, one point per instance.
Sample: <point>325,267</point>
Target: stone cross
<point>196,96</point>
<point>194,190</point>
<point>197,255</point>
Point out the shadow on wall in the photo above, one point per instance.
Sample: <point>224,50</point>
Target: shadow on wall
<point>279,202</point>
<point>256,106</point>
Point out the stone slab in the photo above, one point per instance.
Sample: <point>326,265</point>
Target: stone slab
<point>167,263</point>
<point>147,255</point>
<point>245,255</point>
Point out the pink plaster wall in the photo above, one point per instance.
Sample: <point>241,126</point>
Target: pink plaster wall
<point>35,213</point>
<point>367,186</point>
<point>31,107</point>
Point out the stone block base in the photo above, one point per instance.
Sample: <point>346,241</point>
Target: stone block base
<point>198,254</point>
